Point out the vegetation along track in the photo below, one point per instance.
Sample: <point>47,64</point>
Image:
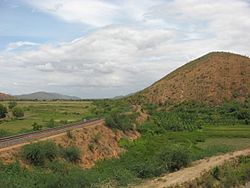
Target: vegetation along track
<point>23,138</point>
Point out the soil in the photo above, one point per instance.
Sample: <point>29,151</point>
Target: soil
<point>96,142</point>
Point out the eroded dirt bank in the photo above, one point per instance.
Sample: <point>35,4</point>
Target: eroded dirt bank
<point>95,142</point>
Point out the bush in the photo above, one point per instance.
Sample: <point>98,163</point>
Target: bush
<point>175,157</point>
<point>51,123</point>
<point>18,112</point>
<point>12,104</point>
<point>121,121</point>
<point>72,154</point>
<point>216,172</point>
<point>3,111</point>
<point>38,153</point>
<point>36,127</point>
<point>70,134</point>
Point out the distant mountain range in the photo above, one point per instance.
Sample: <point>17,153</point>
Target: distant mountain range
<point>45,96</point>
<point>4,96</point>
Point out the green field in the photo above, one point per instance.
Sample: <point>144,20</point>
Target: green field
<point>42,112</point>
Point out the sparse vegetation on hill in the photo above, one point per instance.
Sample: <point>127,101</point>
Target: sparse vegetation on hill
<point>214,78</point>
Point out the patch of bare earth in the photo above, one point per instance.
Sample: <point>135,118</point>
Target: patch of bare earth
<point>95,142</point>
<point>184,176</point>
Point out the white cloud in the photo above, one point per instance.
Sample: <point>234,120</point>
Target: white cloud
<point>95,12</point>
<point>16,45</point>
<point>119,59</point>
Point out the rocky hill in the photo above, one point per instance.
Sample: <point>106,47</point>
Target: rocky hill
<point>213,78</point>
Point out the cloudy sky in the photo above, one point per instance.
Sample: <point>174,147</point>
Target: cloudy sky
<point>106,48</point>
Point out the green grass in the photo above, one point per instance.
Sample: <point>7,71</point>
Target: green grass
<point>232,143</point>
<point>42,111</point>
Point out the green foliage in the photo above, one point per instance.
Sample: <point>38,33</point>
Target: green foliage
<point>51,123</point>
<point>12,104</point>
<point>216,172</point>
<point>3,133</point>
<point>18,112</point>
<point>121,121</point>
<point>39,153</point>
<point>175,157</point>
<point>72,154</point>
<point>3,111</point>
<point>36,127</point>
<point>170,139</point>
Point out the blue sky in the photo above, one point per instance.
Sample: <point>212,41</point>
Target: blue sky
<point>104,48</point>
<point>22,22</point>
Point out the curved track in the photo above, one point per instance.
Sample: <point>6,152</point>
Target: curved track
<point>27,137</point>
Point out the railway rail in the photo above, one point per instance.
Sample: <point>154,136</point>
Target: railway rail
<point>28,137</point>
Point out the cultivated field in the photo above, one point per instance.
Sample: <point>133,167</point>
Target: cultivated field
<point>42,112</point>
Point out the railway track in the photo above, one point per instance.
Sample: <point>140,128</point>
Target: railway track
<point>27,137</point>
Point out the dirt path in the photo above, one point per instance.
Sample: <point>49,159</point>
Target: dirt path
<point>197,169</point>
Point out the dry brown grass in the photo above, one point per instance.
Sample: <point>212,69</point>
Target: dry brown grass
<point>213,78</point>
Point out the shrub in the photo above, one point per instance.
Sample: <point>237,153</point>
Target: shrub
<point>175,157</point>
<point>12,104</point>
<point>72,154</point>
<point>36,127</point>
<point>70,134</point>
<point>121,121</point>
<point>38,153</point>
<point>3,111</point>
<point>216,172</point>
<point>18,112</point>
<point>51,123</point>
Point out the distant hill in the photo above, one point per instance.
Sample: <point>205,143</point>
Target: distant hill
<point>45,96</point>
<point>4,96</point>
<point>213,78</point>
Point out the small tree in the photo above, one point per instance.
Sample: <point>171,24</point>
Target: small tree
<point>12,104</point>
<point>18,112</point>
<point>3,111</point>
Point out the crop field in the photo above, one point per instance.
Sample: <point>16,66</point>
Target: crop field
<point>42,112</point>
